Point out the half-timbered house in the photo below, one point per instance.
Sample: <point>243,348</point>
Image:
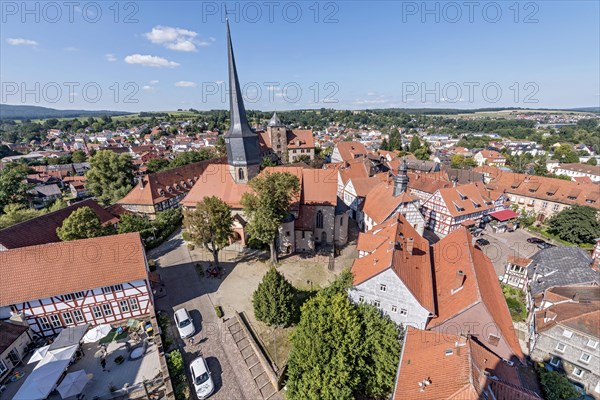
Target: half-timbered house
<point>95,281</point>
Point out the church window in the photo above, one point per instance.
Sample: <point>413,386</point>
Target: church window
<point>241,174</point>
<point>319,219</point>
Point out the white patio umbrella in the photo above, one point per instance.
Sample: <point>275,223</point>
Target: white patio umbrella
<point>38,354</point>
<point>73,384</point>
<point>96,333</point>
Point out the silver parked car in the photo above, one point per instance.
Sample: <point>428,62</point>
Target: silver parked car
<point>184,323</point>
<point>203,383</point>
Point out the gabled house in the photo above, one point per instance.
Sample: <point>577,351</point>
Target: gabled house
<point>450,208</point>
<point>14,339</point>
<point>393,272</point>
<point>56,285</point>
<point>515,273</point>
<point>469,299</point>
<point>490,157</point>
<point>566,334</point>
<point>385,200</point>
<point>348,151</point>
<point>438,366</point>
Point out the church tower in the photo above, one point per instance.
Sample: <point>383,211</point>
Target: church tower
<point>401,179</point>
<point>243,149</point>
<point>278,134</point>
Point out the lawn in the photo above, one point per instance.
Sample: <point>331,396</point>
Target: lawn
<point>515,299</point>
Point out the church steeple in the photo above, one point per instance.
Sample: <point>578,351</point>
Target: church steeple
<point>243,149</point>
<point>401,179</point>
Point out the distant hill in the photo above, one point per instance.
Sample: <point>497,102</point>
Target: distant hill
<point>8,111</point>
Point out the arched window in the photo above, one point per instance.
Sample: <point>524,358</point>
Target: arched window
<point>241,174</point>
<point>319,219</point>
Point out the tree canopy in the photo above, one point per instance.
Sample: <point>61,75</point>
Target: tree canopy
<point>210,225</point>
<point>13,187</point>
<point>556,386</point>
<point>576,224</point>
<point>565,154</point>
<point>267,204</point>
<point>341,350</point>
<point>135,223</point>
<point>83,223</point>
<point>274,300</point>
<point>110,177</point>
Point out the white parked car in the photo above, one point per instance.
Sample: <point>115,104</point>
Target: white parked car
<point>184,323</point>
<point>203,383</point>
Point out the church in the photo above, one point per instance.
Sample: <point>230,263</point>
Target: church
<point>315,219</point>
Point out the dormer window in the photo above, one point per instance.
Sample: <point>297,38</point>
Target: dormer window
<point>161,192</point>
<point>176,187</point>
<point>476,205</point>
<point>462,196</point>
<point>458,208</point>
<point>169,189</point>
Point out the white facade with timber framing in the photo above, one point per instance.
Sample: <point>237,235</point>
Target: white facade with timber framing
<point>93,281</point>
<point>447,209</point>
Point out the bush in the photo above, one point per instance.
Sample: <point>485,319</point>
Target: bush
<point>219,311</point>
<point>556,386</point>
<point>176,368</point>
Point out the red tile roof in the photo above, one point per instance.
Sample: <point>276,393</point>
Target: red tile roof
<point>38,272</point>
<point>412,267</point>
<point>42,229</point>
<point>456,256</point>
<point>351,150</point>
<point>168,184</point>
<point>491,155</point>
<point>217,181</point>
<point>504,215</point>
<point>300,139</point>
<point>380,202</point>
<point>436,366</point>
<point>543,188</point>
<point>465,200</point>
<point>583,317</point>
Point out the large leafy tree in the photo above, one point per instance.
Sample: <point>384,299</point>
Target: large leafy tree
<point>267,204</point>
<point>15,213</point>
<point>576,224</point>
<point>78,156</point>
<point>341,350</point>
<point>210,225</point>
<point>565,154</point>
<point>192,156</point>
<point>135,223</point>
<point>13,187</point>
<point>83,223</point>
<point>157,164</point>
<point>110,177</point>
<point>274,300</point>
<point>415,144</point>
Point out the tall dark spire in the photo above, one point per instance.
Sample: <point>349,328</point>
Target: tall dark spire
<point>243,149</point>
<point>239,121</point>
<point>401,179</point>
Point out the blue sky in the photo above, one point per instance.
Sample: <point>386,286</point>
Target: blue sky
<point>159,55</point>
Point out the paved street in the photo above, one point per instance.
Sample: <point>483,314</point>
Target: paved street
<point>185,289</point>
<point>504,244</point>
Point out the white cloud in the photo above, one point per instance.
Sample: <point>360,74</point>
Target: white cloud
<point>153,82</point>
<point>177,39</point>
<point>185,84</point>
<point>110,57</point>
<point>71,49</point>
<point>150,61</point>
<point>21,42</point>
<point>149,88</point>
<point>219,82</point>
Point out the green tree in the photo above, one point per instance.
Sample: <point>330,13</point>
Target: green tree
<point>110,177</point>
<point>576,224</point>
<point>565,154</point>
<point>210,225</point>
<point>267,162</point>
<point>220,146</point>
<point>15,213</point>
<point>395,142</point>
<point>422,153</point>
<point>326,350</point>
<point>415,144</point>
<point>592,161</point>
<point>556,386</point>
<point>157,164</point>
<point>83,223</point>
<point>191,157</point>
<point>274,300</point>
<point>267,204</point>
<point>78,156</point>
<point>380,352</point>
<point>135,223</point>
<point>13,187</point>
<point>58,204</point>
<point>384,145</point>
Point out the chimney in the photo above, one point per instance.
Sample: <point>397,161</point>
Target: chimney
<point>142,183</point>
<point>410,242</point>
<point>459,280</point>
<point>549,315</point>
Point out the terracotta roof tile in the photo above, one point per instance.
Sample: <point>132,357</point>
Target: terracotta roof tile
<point>42,229</point>
<point>436,366</point>
<point>351,150</point>
<point>300,139</point>
<point>413,267</point>
<point>380,202</point>
<point>465,199</point>
<point>583,317</point>
<point>37,272</point>
<point>455,256</point>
